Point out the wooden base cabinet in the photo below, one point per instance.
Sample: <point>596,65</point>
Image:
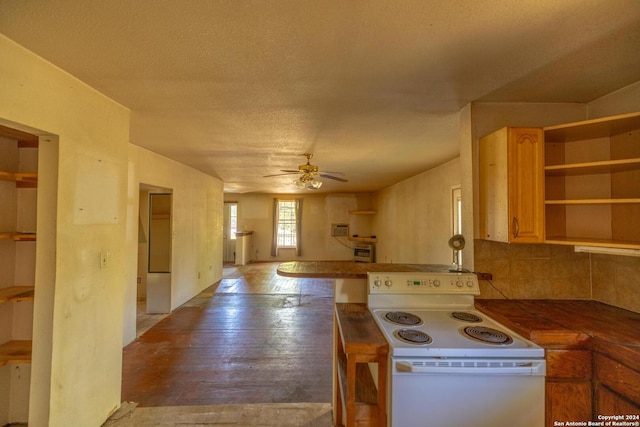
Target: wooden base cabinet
<point>582,385</point>
<point>567,401</point>
<point>610,403</point>
<point>617,388</point>
<point>568,385</point>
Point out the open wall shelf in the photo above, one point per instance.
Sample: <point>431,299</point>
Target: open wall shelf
<point>592,182</point>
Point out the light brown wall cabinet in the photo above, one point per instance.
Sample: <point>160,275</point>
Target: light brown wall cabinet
<point>512,186</point>
<point>592,182</point>
<point>18,196</point>
<point>586,191</point>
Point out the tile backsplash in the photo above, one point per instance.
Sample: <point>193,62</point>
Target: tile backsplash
<point>541,271</point>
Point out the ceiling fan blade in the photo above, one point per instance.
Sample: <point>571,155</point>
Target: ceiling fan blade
<point>281,174</point>
<point>324,175</point>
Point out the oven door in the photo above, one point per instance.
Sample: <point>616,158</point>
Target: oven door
<point>467,392</point>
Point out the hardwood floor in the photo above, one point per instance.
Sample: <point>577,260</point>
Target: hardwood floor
<point>258,415</point>
<point>254,337</point>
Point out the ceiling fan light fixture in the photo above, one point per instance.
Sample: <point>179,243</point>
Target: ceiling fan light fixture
<point>307,181</point>
<point>307,175</point>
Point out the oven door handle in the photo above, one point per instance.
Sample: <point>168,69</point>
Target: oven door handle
<point>528,367</point>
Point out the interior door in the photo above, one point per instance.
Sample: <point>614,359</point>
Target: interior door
<point>230,227</point>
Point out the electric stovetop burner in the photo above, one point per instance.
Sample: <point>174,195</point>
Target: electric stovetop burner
<point>413,336</point>
<point>465,316</point>
<point>403,318</point>
<point>487,335</point>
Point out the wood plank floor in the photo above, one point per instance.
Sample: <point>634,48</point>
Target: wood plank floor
<point>254,337</point>
<point>257,414</point>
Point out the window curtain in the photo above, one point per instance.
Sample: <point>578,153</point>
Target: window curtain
<point>274,234</point>
<point>298,227</point>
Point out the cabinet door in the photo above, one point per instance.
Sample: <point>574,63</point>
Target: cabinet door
<point>526,185</point>
<point>567,401</point>
<point>511,172</point>
<point>610,403</point>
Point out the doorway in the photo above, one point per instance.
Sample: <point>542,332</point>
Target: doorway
<point>155,250</point>
<point>230,227</point>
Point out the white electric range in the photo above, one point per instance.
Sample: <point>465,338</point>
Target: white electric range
<point>451,365</point>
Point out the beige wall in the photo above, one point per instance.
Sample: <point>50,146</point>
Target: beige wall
<point>196,261</point>
<point>414,223</point>
<point>89,177</point>
<point>625,100</point>
<point>77,339</point>
<point>319,211</point>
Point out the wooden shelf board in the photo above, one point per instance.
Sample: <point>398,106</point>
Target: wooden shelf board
<point>363,239</point>
<point>366,392</point>
<point>16,294</point>
<point>18,351</point>
<point>591,129</point>
<point>592,201</point>
<point>590,168</point>
<point>580,241</point>
<point>21,136</point>
<point>22,178</point>
<point>363,212</point>
<point>18,237</point>
<point>24,237</point>
<point>6,176</point>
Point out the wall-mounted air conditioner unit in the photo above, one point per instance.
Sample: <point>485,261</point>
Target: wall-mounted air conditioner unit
<point>340,230</point>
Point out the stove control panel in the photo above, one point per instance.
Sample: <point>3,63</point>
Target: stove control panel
<point>423,283</point>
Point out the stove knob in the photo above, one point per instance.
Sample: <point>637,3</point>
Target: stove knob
<point>436,283</point>
<point>470,284</point>
<point>459,283</point>
<point>388,283</point>
<point>377,283</point>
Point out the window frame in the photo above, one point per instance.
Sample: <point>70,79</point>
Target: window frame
<point>287,237</point>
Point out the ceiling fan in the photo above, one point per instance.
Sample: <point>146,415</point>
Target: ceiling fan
<point>308,174</point>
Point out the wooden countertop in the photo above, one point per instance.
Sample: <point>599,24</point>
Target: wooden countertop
<point>342,269</point>
<point>571,324</point>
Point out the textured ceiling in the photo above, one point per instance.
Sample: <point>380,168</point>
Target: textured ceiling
<point>240,89</point>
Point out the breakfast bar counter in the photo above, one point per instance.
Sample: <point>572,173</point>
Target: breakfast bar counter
<point>342,269</point>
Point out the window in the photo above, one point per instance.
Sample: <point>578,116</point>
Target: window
<point>456,219</point>
<point>287,216</point>
<point>456,199</point>
<point>287,236</point>
<point>233,221</point>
